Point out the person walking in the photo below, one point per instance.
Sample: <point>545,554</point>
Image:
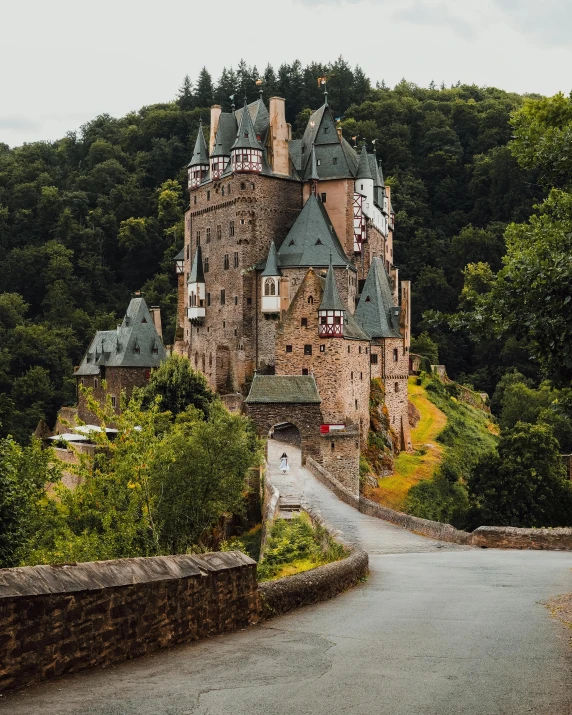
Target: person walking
<point>284,463</point>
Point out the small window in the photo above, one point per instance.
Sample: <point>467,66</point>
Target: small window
<point>136,349</point>
<point>324,198</point>
<point>356,405</point>
<point>333,446</point>
<point>231,229</point>
<point>187,252</point>
<point>307,349</point>
<point>322,348</point>
<point>304,371</point>
<point>249,301</point>
<point>242,222</point>
<point>395,354</point>
<point>219,231</point>
<point>335,160</point>
<point>318,162</point>
<point>226,262</point>
<point>81,382</point>
<point>195,201</point>
<point>349,349</point>
<point>368,299</point>
<point>208,195</point>
<point>155,350</point>
<point>310,299</point>
<point>223,297</point>
<point>288,348</point>
<point>198,238</point>
<point>206,265</point>
<point>236,300</point>
<point>235,259</point>
<point>208,235</point>
<point>373,358</point>
<point>235,332</point>
<point>361,376</point>
<point>113,401</point>
<point>208,299</point>
<point>326,130</point>
<point>396,387</point>
<point>211,356</point>
<point>242,186</point>
<point>304,322</point>
<point>359,350</point>
<point>222,192</point>
<point>95,383</point>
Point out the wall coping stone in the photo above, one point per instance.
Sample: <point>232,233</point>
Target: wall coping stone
<point>97,575</point>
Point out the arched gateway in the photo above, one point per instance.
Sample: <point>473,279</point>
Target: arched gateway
<point>293,399</point>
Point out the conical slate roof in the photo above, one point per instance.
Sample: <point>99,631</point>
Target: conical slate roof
<point>374,308</point>
<point>197,273</point>
<point>331,299</point>
<point>246,137</point>
<point>312,240</point>
<point>272,262</point>
<point>363,170</point>
<point>201,152</point>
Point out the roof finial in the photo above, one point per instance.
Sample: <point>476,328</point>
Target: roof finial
<point>258,83</point>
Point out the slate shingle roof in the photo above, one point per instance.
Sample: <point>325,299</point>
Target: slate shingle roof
<point>201,152</point>
<point>246,135</point>
<point>283,389</point>
<point>374,312</point>
<point>311,240</point>
<point>225,134</point>
<point>272,262</point>
<point>331,297</point>
<point>363,169</point>
<point>130,345</point>
<point>197,271</point>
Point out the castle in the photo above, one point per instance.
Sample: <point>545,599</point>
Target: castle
<point>286,286</point>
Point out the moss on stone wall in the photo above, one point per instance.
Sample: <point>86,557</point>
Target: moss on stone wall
<point>382,442</point>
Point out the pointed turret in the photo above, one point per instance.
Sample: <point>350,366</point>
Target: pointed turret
<point>271,283</point>
<point>199,165</point>
<point>246,152</point>
<point>197,289</point>
<point>331,311</point>
<point>363,170</point>
<point>376,312</point>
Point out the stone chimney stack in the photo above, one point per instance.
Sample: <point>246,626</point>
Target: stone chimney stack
<point>279,136</point>
<point>156,315</point>
<point>216,109</point>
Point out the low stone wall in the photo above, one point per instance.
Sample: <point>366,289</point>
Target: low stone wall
<point>434,529</point>
<point>509,537</point>
<point>328,480</point>
<point>62,619</point>
<point>319,584</point>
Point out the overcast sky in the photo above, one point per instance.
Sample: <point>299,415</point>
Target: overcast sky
<point>62,62</point>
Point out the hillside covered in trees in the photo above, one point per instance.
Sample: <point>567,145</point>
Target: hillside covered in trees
<point>88,219</point>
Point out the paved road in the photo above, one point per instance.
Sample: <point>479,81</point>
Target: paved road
<point>433,632</point>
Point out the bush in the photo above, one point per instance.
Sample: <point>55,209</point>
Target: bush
<point>426,347</point>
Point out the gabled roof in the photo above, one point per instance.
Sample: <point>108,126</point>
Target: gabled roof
<point>331,297</point>
<point>197,272</point>
<point>201,152</point>
<point>312,240</point>
<point>332,156</point>
<point>225,134</point>
<point>132,344</point>
<point>373,312</point>
<point>246,136</point>
<point>180,255</point>
<point>272,262</point>
<point>290,389</point>
<point>363,169</point>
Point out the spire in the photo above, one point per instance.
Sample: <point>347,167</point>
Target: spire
<point>272,262</point>
<point>246,136</point>
<point>331,299</point>
<point>201,153</point>
<point>363,170</point>
<point>197,273</point>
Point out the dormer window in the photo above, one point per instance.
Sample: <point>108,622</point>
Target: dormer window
<point>136,349</point>
<point>326,130</point>
<point>246,135</point>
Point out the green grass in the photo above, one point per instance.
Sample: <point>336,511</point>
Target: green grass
<point>296,545</point>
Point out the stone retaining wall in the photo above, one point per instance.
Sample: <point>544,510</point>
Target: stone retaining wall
<point>328,480</point>
<point>509,537</point>
<point>62,619</point>
<point>433,529</point>
<point>319,584</point>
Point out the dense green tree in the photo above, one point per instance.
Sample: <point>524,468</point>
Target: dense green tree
<point>524,484</point>
<point>185,98</point>
<point>204,92</point>
<point>424,346</point>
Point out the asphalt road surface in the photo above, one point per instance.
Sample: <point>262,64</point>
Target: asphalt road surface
<point>436,630</point>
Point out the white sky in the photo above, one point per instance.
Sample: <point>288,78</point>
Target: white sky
<point>63,62</point>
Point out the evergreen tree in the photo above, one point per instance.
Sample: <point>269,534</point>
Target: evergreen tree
<point>204,93</point>
<point>185,94</point>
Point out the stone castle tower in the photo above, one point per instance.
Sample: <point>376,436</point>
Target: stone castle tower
<point>286,276</point>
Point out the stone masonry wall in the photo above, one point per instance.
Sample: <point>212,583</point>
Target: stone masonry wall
<point>508,537</point>
<point>394,374</point>
<point>61,619</point>
<point>234,339</point>
<point>118,379</point>
<point>341,367</point>
<point>340,457</point>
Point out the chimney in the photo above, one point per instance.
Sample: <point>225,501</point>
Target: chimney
<point>394,275</point>
<point>156,315</point>
<point>216,109</point>
<point>279,136</point>
<point>339,131</point>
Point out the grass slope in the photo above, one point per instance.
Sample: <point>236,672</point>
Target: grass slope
<point>448,430</point>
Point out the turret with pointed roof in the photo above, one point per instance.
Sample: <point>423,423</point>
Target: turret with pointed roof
<point>271,283</point>
<point>246,152</point>
<point>199,165</point>
<point>197,288</point>
<point>375,311</point>
<point>331,312</point>
<point>272,268</point>
<point>363,169</point>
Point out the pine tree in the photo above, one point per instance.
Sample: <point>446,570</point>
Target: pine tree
<point>226,87</point>
<point>204,94</point>
<point>185,94</point>
<point>270,81</point>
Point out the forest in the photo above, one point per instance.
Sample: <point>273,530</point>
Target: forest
<point>88,219</point>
